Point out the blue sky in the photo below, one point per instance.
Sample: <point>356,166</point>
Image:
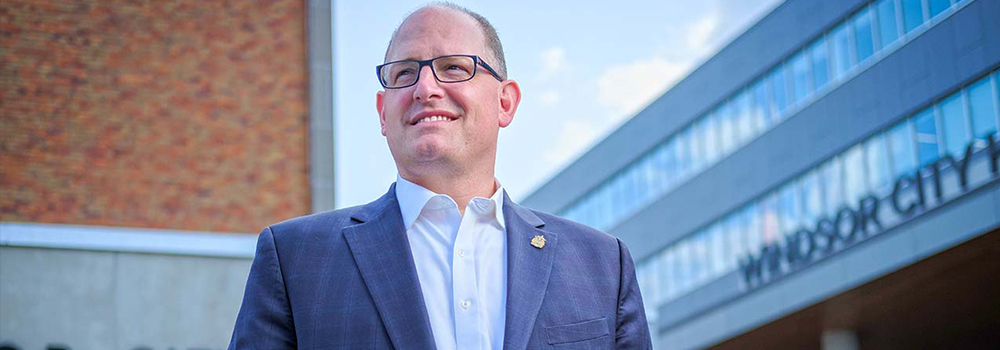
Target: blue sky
<point>584,68</point>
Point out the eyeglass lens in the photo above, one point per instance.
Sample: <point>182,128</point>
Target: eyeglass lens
<point>447,69</point>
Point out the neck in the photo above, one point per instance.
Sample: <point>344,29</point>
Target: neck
<point>462,188</point>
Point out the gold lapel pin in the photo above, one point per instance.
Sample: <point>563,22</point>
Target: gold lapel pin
<point>538,242</point>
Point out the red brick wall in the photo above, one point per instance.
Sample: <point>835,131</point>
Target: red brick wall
<point>183,114</point>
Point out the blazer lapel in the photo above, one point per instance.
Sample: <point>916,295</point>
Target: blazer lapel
<point>383,255</point>
<point>528,270</point>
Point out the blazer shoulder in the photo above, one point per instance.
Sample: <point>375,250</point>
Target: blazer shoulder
<point>314,223</point>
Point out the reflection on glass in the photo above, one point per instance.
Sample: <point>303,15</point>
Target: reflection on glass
<point>800,77</point>
<point>667,164</point>
<point>878,164</point>
<point>938,6</point>
<point>863,42</point>
<point>841,51</point>
<point>751,222</point>
<point>779,87</point>
<point>745,126</point>
<point>887,26</point>
<point>710,132</point>
<point>770,225</point>
<point>761,105</point>
<point>737,241</point>
<point>727,127</point>
<point>981,108</point>
<point>717,249</point>
<point>812,197</point>
<point>955,131</point>
<point>832,178</point>
<point>854,174</point>
<point>820,63</point>
<point>927,140</point>
<point>681,153</point>
<point>695,145</point>
<point>791,209</point>
<point>904,159</point>
<point>913,14</point>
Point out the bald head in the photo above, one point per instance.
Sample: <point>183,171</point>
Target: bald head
<point>491,40</point>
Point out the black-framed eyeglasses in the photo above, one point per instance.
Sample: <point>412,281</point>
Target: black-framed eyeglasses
<point>446,69</point>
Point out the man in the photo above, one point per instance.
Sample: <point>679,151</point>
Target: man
<point>444,259</point>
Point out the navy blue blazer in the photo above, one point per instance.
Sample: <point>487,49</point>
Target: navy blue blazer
<point>345,279</point>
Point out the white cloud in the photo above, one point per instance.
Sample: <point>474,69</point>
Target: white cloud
<point>550,97</point>
<point>630,87</point>
<point>574,137</point>
<point>553,61</point>
<point>701,33</point>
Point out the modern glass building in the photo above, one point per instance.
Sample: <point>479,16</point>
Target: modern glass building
<point>827,180</point>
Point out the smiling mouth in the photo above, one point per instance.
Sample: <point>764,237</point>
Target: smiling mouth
<point>433,118</point>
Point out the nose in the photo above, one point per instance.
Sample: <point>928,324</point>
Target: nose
<point>427,87</point>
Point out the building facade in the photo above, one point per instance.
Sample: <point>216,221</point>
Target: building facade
<point>142,147</point>
<point>827,180</point>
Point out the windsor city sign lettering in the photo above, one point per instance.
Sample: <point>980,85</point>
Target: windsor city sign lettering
<point>850,225</point>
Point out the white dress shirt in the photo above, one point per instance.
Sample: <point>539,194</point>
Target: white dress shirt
<point>461,264</point>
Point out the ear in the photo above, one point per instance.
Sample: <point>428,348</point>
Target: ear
<point>510,97</point>
<point>379,104</point>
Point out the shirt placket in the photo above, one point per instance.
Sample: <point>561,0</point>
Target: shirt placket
<point>467,310</point>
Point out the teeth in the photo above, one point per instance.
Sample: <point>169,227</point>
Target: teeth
<point>432,118</point>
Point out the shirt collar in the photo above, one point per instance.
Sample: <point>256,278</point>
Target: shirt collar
<point>412,198</point>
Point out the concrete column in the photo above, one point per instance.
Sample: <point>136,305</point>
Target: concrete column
<point>840,339</point>
<point>319,24</point>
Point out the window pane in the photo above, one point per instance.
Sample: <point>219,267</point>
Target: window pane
<point>841,51</point>
<point>779,87</point>
<point>699,257</point>
<point>901,146</point>
<point>887,26</point>
<point>812,199</point>
<point>820,63</point>
<point>682,154</point>
<point>927,141</point>
<point>717,250</point>
<point>770,225</point>
<point>956,132</point>
<point>878,164</point>
<point>863,42</point>
<point>913,14</point>
<point>761,105</point>
<point>745,129</point>
<point>938,6</point>
<point>982,109</point>
<point>737,241</point>
<point>791,208</point>
<point>751,223</point>
<point>667,164</point>
<point>800,76</point>
<point>667,275</point>
<point>695,143</point>
<point>710,135</point>
<point>854,174</point>
<point>832,177</point>
<point>727,127</point>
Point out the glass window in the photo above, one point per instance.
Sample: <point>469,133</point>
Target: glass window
<point>832,178</point>
<point>751,223</point>
<point>665,276</point>
<point>938,6</point>
<point>779,88</point>
<point>745,126</point>
<point>812,198</point>
<point>855,185</point>
<point>727,127</point>
<point>667,164</point>
<point>681,154</point>
<point>981,108</point>
<point>770,225</point>
<point>888,29</point>
<point>791,208</point>
<point>604,203</point>
<point>710,136</point>
<point>761,105</point>
<point>649,181</point>
<point>863,42</point>
<point>927,138</point>
<point>904,159</point>
<point>841,51</point>
<point>717,249</point>
<point>800,76</point>
<point>695,144</point>
<point>737,241</point>
<point>913,14</point>
<point>956,132</point>
<point>878,164</point>
<point>820,63</point>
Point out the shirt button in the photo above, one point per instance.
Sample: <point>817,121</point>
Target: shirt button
<point>461,253</point>
<point>466,303</point>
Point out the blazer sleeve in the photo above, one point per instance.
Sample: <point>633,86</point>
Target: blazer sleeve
<point>265,318</point>
<point>631,328</point>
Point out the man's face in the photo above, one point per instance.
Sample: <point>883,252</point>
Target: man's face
<point>419,139</point>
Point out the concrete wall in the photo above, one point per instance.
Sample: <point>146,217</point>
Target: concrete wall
<point>85,299</point>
